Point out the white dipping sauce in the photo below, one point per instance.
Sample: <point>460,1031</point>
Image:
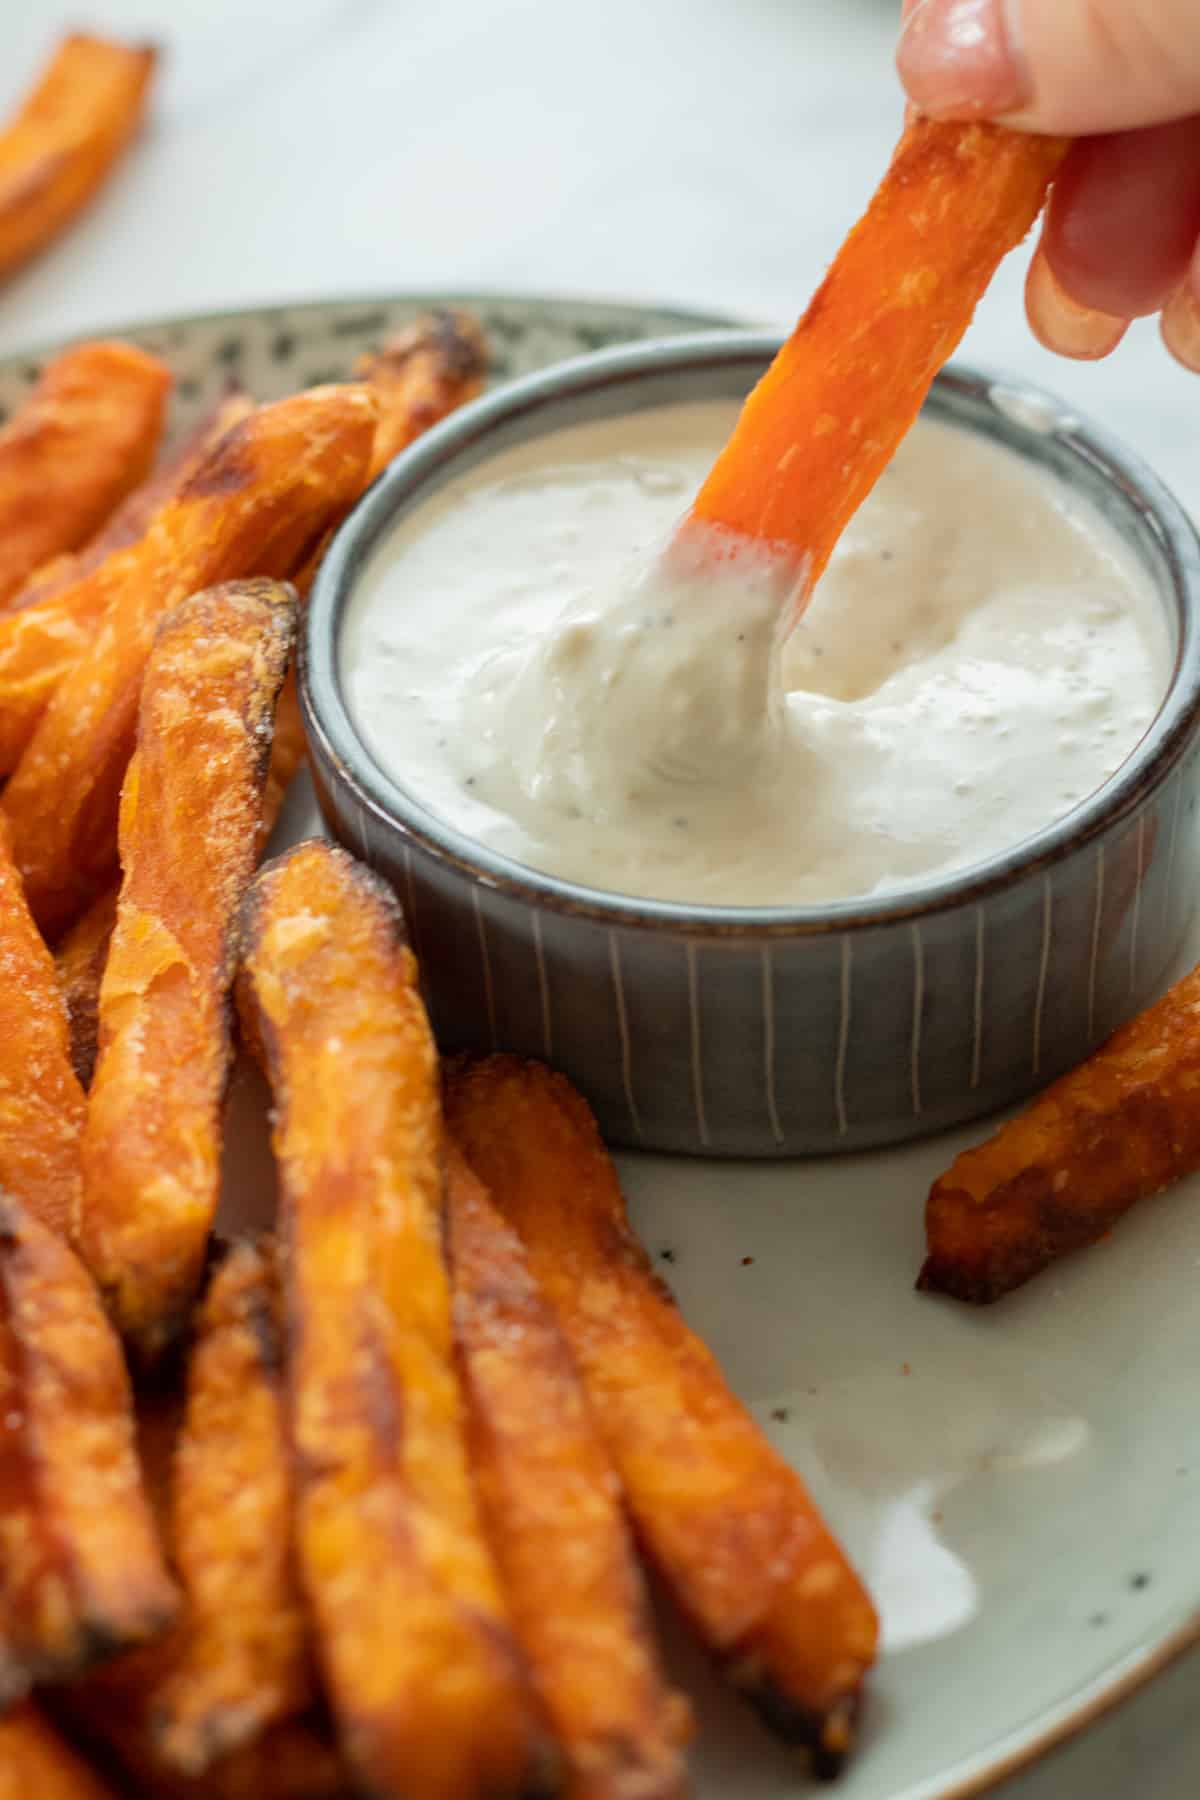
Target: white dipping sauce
<point>981,654</point>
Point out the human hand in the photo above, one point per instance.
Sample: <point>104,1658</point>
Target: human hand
<point>1121,237</point>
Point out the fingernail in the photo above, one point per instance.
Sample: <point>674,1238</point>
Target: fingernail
<point>1181,327</point>
<point>961,58</point>
<point>1060,323</point>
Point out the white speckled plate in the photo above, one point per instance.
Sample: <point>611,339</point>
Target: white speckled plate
<point>1020,1486</point>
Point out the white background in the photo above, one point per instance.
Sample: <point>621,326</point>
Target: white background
<point>704,152</point>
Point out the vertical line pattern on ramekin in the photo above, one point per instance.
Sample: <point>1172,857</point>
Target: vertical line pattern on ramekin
<point>1135,918</point>
<point>539,956</point>
<point>1043,969</point>
<point>918,1003</point>
<point>1166,919</point>
<point>977,1039</point>
<point>768,1007</point>
<point>486,960</point>
<point>614,963</point>
<point>697,1048</point>
<point>1095,956</point>
<point>839,1068</point>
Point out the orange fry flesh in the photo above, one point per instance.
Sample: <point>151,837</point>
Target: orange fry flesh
<point>190,822</point>
<point>552,1505</point>
<point>243,1663</point>
<point>261,497</point>
<point>421,374</point>
<point>1118,1129</point>
<point>80,960</point>
<point>415,1646</point>
<point>132,519</point>
<point>85,437</point>
<point>63,141</point>
<point>727,1522</point>
<point>79,1575</point>
<point>36,1763</point>
<point>41,1102</point>
<point>825,420</point>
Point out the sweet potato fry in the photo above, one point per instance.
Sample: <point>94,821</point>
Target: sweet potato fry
<point>420,376</point>
<point>61,144</point>
<point>112,1712</point>
<point>727,1522</point>
<point>825,420</point>
<point>243,1663</point>
<point>41,1103</point>
<point>80,960</point>
<point>415,1646</point>
<point>1120,1128</point>
<point>85,437</point>
<point>81,1572</point>
<point>132,519</point>
<point>189,831</point>
<point>36,1763</point>
<point>552,1505</point>
<point>258,500</point>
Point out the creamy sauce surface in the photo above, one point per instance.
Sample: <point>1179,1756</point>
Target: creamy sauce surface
<point>980,655</point>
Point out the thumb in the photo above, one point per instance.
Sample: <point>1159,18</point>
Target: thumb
<point>1072,66</point>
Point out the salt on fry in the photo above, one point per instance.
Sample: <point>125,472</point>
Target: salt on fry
<point>64,139</point>
<point>413,1639</point>
<point>725,1519</point>
<point>243,1663</point>
<point>260,498</point>
<point>1120,1128</point>
<point>87,435</point>
<point>552,1504</point>
<point>189,831</point>
<point>825,420</point>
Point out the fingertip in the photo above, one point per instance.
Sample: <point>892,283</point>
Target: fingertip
<point>1060,323</point>
<point>1180,326</point>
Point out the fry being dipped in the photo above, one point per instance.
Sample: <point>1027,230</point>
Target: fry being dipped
<point>85,437</point>
<point>416,1649</point>
<point>726,1521</point>
<point>81,1573</point>
<point>259,500</point>
<point>552,1504</point>
<point>191,812</point>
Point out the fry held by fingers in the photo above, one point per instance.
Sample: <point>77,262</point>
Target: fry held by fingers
<point>191,812</point>
<point>414,1642</point>
<point>726,1521</point>
<point>552,1504</point>
<point>85,437</point>
<point>825,420</point>
<point>64,139</point>
<point>261,497</point>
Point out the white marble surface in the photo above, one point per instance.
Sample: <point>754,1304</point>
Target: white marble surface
<point>707,152</point>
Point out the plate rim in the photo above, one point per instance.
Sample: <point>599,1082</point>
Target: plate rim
<point>1025,1746</point>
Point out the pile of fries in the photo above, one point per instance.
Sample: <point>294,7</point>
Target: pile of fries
<point>351,1508</point>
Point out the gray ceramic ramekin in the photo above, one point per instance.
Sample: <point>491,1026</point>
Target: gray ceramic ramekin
<point>783,1031</point>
